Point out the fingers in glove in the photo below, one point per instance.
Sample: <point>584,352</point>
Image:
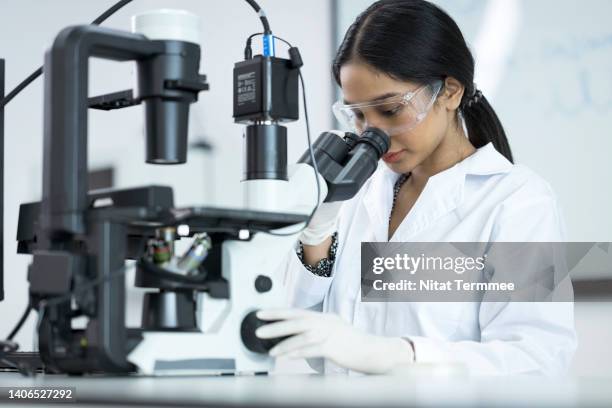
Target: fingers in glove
<point>297,342</point>
<point>284,328</point>
<point>313,351</point>
<point>283,314</point>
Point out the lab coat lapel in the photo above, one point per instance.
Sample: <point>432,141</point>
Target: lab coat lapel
<point>444,191</point>
<point>378,200</point>
<point>441,195</point>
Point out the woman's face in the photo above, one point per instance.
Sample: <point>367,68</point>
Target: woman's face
<point>409,147</point>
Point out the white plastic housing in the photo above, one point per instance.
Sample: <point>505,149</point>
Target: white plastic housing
<point>168,24</point>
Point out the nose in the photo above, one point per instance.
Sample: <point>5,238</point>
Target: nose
<point>371,119</point>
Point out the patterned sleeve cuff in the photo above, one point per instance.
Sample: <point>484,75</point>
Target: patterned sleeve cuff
<point>324,266</point>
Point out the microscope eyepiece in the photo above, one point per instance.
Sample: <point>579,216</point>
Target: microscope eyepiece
<point>377,139</point>
<point>347,162</point>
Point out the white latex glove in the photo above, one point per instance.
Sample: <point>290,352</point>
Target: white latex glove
<point>323,224</point>
<point>325,219</point>
<point>327,335</point>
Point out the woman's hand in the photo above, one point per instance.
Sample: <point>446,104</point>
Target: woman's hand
<point>325,335</point>
<point>322,225</point>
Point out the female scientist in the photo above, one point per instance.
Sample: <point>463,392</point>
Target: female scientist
<point>404,67</point>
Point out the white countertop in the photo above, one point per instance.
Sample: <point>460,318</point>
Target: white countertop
<point>422,386</point>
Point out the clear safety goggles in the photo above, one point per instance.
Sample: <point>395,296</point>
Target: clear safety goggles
<point>395,115</point>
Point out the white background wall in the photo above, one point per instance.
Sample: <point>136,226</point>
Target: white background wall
<point>27,28</point>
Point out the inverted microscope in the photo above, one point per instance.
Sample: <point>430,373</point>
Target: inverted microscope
<point>198,311</point>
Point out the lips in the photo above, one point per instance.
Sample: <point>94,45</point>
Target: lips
<point>393,157</point>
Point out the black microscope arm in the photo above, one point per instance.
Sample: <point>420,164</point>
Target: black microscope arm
<point>168,82</point>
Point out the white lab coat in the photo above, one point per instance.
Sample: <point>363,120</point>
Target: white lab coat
<point>483,198</point>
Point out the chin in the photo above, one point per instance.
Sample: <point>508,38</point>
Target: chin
<point>402,167</point>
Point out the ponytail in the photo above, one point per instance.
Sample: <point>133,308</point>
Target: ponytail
<point>483,125</point>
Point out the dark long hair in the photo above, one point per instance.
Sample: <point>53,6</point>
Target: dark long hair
<point>416,41</point>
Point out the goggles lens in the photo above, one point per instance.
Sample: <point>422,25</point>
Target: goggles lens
<point>395,115</point>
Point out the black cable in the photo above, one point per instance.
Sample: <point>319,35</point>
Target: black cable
<point>39,71</point>
<point>248,51</point>
<point>9,346</point>
<point>23,368</point>
<point>262,16</point>
<point>102,17</point>
<point>310,150</point>
<point>20,323</point>
<point>281,40</point>
<point>21,86</point>
<point>314,165</point>
<point>253,36</point>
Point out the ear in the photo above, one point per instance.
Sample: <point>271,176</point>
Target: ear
<point>452,93</point>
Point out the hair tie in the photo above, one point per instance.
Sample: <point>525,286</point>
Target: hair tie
<point>475,97</point>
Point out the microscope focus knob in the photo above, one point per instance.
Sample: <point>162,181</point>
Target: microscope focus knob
<point>263,283</point>
<point>250,323</point>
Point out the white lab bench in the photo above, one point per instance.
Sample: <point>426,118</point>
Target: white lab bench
<point>420,386</point>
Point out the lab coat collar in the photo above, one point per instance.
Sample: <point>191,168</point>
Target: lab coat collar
<point>486,161</point>
<point>442,193</point>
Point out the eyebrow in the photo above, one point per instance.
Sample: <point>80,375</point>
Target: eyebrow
<point>378,98</point>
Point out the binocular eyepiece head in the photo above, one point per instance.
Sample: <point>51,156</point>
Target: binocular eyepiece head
<point>346,163</point>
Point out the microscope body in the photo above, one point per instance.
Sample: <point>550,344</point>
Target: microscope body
<point>80,248</point>
<point>199,310</point>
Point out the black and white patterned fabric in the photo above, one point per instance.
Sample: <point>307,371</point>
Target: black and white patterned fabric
<point>325,266</point>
